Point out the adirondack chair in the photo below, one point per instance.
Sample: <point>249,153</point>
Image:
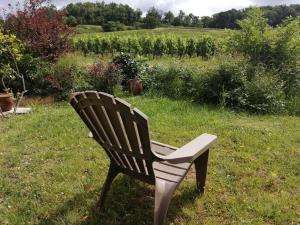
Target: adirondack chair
<point>123,132</point>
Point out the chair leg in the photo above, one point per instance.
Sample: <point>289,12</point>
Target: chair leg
<point>201,170</point>
<point>163,195</point>
<point>112,173</point>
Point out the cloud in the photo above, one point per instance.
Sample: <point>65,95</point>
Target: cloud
<point>197,7</point>
<point>275,2</point>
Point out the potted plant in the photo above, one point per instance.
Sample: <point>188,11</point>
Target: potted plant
<point>135,86</point>
<point>6,97</point>
<point>10,53</point>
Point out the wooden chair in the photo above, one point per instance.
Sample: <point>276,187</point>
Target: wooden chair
<point>123,132</point>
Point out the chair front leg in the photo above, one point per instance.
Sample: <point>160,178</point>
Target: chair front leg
<point>163,195</point>
<point>201,171</point>
<point>112,173</point>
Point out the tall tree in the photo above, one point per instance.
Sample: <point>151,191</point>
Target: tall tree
<point>178,21</point>
<point>153,18</point>
<point>168,18</point>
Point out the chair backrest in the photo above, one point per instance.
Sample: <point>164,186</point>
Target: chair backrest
<point>121,130</point>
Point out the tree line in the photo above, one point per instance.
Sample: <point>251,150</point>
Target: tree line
<point>118,15</point>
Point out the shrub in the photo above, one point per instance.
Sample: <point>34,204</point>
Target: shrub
<point>222,85</point>
<point>112,26</point>
<point>129,66</point>
<point>171,82</point>
<point>165,82</point>
<point>11,50</point>
<point>104,77</point>
<point>264,94</point>
<point>42,28</point>
<point>278,49</point>
<point>34,71</point>
<point>233,84</point>
<point>62,80</point>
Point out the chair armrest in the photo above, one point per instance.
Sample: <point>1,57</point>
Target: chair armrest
<point>190,151</point>
<point>164,145</point>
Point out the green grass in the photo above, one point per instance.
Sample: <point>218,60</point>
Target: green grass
<point>51,173</point>
<point>177,32</point>
<point>77,58</point>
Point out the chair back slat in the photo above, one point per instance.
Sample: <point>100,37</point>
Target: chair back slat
<point>122,131</point>
<point>85,115</point>
<point>144,137</point>
<point>85,108</point>
<point>103,118</point>
<point>127,116</point>
<point>117,123</point>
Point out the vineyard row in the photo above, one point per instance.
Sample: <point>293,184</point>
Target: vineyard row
<point>203,47</point>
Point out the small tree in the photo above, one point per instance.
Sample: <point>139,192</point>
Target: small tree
<point>42,28</point>
<point>252,39</point>
<point>10,53</point>
<point>278,49</point>
<point>168,18</point>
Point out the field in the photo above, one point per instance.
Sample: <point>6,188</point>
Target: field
<point>52,173</point>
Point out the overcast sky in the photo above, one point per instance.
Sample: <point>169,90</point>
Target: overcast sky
<point>197,7</point>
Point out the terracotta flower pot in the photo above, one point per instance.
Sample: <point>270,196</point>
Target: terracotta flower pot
<point>135,86</point>
<point>6,101</point>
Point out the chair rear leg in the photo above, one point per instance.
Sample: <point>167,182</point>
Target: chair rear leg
<point>112,173</point>
<point>163,195</point>
<point>201,171</point>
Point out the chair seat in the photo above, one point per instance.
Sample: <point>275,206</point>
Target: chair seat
<point>168,171</point>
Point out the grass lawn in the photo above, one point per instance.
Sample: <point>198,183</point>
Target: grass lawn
<point>52,173</point>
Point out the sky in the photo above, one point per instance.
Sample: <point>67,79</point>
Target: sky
<point>197,7</point>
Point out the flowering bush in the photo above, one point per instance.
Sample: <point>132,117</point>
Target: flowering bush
<point>104,77</point>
